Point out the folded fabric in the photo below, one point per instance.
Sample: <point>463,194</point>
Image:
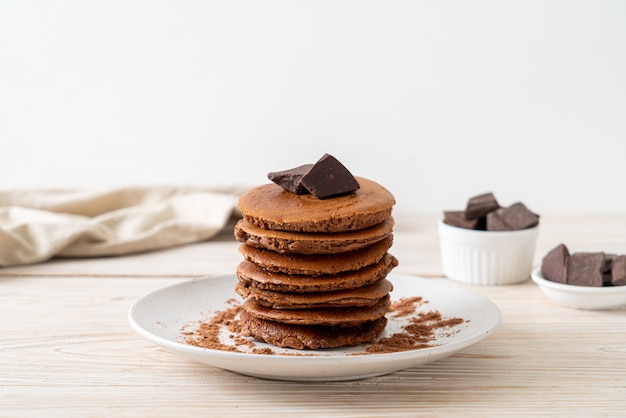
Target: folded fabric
<point>36,225</point>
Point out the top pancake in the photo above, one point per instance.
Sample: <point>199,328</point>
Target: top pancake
<point>271,207</point>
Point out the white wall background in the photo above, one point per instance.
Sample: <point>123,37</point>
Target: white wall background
<point>437,100</point>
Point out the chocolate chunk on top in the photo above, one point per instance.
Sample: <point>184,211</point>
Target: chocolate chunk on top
<point>290,180</point>
<point>585,269</point>
<point>479,206</point>
<point>512,218</point>
<point>328,178</point>
<point>457,218</point>
<point>554,264</point>
<point>324,179</point>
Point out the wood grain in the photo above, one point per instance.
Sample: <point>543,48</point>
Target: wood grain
<point>67,349</point>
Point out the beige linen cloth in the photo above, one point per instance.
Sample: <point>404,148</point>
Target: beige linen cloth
<point>36,225</point>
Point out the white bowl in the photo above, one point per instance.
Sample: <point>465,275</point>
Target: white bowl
<point>581,297</point>
<point>487,257</point>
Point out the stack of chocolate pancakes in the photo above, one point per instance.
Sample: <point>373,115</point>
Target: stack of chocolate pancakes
<point>314,269</point>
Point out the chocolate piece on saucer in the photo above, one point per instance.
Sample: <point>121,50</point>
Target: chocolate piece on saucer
<point>290,180</point>
<point>513,218</point>
<point>606,268</point>
<point>554,264</point>
<point>328,178</point>
<point>457,218</point>
<point>585,269</point>
<point>481,205</point>
<point>618,271</point>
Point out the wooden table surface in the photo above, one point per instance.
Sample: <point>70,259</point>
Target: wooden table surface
<point>67,348</point>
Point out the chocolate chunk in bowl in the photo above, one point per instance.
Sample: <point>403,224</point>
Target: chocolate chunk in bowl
<point>479,206</point>
<point>457,218</point>
<point>512,218</point>
<point>487,244</point>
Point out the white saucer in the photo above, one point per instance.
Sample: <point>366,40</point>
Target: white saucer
<point>161,315</point>
<point>581,297</point>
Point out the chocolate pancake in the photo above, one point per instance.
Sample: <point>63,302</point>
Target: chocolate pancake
<point>256,277</point>
<point>362,296</point>
<point>316,264</point>
<point>307,336</point>
<point>311,243</point>
<point>269,206</point>
<point>342,317</point>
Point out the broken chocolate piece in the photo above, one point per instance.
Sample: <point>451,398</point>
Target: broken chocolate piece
<point>458,219</point>
<point>328,178</point>
<point>479,206</point>
<point>290,180</point>
<point>606,268</point>
<point>554,264</point>
<point>495,221</point>
<point>618,271</point>
<point>585,269</point>
<point>513,218</point>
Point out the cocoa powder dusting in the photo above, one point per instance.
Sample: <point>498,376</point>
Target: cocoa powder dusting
<point>419,332</point>
<point>405,306</point>
<point>207,335</point>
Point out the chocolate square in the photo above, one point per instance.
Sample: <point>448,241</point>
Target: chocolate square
<point>291,180</point>
<point>585,269</point>
<point>512,218</point>
<point>479,206</point>
<point>618,271</point>
<point>496,222</point>
<point>554,264</point>
<point>457,218</point>
<point>328,178</point>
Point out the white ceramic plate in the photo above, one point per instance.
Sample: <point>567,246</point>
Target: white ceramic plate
<point>160,316</point>
<point>581,297</point>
